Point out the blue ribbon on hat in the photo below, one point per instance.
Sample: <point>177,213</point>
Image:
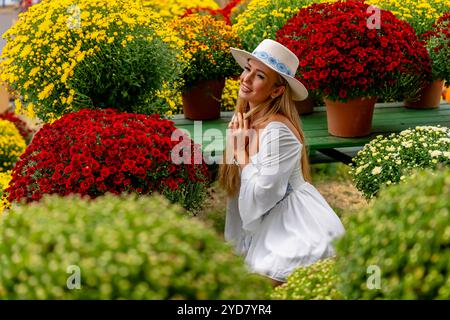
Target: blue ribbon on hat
<point>274,62</point>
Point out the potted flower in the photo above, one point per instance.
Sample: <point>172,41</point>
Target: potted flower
<point>88,53</point>
<point>420,91</point>
<point>349,61</point>
<point>437,42</point>
<point>207,45</point>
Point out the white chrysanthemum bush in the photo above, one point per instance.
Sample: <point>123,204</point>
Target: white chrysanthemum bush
<point>387,160</point>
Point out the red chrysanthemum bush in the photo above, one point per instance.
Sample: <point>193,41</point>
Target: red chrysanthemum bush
<point>92,152</point>
<point>343,55</point>
<point>437,42</point>
<point>23,128</point>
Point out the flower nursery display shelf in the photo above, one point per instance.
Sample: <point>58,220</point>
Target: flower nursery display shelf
<point>323,147</point>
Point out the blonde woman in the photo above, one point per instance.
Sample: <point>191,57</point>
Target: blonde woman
<point>275,218</point>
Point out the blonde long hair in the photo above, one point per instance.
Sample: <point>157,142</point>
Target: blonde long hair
<point>229,178</point>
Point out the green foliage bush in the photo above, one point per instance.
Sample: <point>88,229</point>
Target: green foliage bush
<point>126,77</point>
<point>405,232</point>
<point>315,282</point>
<point>125,247</point>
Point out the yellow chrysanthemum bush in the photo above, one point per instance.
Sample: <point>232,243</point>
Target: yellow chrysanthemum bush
<point>317,281</point>
<point>421,14</point>
<point>238,9</point>
<point>12,145</point>
<point>263,18</point>
<point>207,45</point>
<point>5,178</point>
<point>171,97</point>
<point>171,9</point>
<point>65,55</point>
<point>230,94</point>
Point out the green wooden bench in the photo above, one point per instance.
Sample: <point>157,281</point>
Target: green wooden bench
<point>388,118</point>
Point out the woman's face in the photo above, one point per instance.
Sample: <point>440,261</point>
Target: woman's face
<point>258,83</point>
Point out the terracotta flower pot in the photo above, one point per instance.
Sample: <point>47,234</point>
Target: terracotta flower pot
<point>202,101</point>
<point>430,96</point>
<point>306,106</point>
<point>350,119</point>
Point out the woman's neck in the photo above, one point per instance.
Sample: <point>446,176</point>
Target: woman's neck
<point>258,114</point>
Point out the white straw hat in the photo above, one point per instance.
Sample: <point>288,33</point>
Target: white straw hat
<point>277,57</point>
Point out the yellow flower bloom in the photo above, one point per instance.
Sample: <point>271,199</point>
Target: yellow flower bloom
<point>5,178</point>
<point>421,14</point>
<point>12,145</point>
<point>206,41</point>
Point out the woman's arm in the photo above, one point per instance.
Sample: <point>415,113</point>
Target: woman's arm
<point>264,184</point>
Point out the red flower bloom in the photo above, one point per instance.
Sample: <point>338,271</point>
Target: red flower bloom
<point>225,12</point>
<point>437,42</point>
<point>92,152</point>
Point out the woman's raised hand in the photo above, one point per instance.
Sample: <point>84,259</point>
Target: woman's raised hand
<point>240,136</point>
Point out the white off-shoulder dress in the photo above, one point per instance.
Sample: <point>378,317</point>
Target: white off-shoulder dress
<point>279,222</point>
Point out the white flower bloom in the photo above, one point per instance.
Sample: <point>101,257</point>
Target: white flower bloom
<point>447,154</point>
<point>376,170</point>
<point>407,144</point>
<point>390,149</point>
<point>405,132</point>
<point>435,153</point>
